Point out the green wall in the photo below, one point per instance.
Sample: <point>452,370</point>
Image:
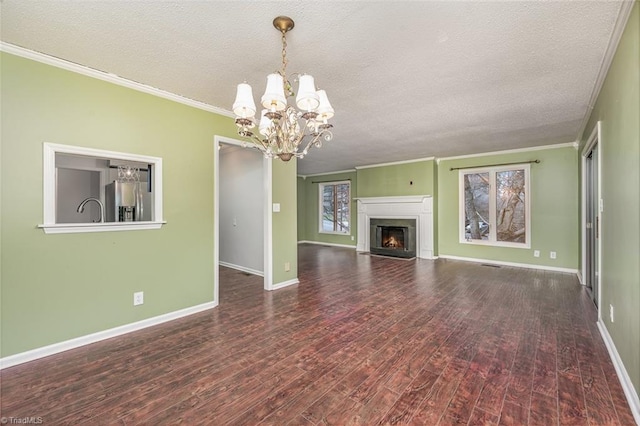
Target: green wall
<point>618,107</point>
<point>58,287</point>
<point>284,230</point>
<point>554,209</point>
<point>309,209</point>
<point>416,178</point>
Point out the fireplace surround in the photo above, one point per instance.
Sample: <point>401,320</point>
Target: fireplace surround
<point>416,207</point>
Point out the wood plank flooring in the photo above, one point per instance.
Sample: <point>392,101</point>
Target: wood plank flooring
<point>361,340</point>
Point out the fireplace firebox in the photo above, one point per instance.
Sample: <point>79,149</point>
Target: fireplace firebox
<point>393,237</point>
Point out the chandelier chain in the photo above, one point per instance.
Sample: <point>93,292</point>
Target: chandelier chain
<point>284,56</point>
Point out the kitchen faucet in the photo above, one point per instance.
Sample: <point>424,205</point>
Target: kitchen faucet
<point>86,200</point>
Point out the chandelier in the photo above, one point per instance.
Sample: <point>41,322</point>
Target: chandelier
<point>283,129</point>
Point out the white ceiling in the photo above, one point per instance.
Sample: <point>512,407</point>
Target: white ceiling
<point>407,79</point>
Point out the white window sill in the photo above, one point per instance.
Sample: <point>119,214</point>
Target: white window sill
<point>346,234</point>
<point>496,244</point>
<point>70,228</point>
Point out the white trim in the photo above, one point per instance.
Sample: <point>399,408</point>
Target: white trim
<point>394,163</point>
<point>242,268</point>
<point>594,138</point>
<point>109,77</point>
<point>512,151</point>
<point>579,275</point>
<point>616,35</point>
<point>74,228</point>
<point>625,380</point>
<point>514,264</point>
<point>49,151</point>
<point>392,200</point>
<point>328,173</point>
<point>284,284</point>
<point>77,342</point>
<point>320,243</point>
<point>267,274</point>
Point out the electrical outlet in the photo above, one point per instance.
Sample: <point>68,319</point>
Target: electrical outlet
<point>611,312</point>
<point>138,298</point>
<point>353,238</point>
<point>552,255</point>
<point>287,266</point>
<point>536,253</point>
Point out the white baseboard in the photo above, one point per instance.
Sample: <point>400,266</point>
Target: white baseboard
<point>514,264</point>
<point>55,348</point>
<point>284,284</point>
<point>320,243</point>
<point>242,268</point>
<point>625,380</point>
<point>579,273</point>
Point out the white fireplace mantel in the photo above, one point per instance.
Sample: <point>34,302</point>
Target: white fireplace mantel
<point>419,207</point>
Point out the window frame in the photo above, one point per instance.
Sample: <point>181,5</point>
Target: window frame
<point>321,187</point>
<point>492,171</point>
<point>49,151</point>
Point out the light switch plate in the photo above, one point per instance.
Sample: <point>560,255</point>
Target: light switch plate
<point>276,207</point>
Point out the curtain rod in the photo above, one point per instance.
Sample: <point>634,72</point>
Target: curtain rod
<point>494,165</point>
<point>327,181</point>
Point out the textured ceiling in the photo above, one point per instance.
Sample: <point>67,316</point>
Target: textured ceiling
<point>406,79</point>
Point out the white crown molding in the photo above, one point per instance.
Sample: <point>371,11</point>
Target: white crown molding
<point>514,264</point>
<point>393,163</point>
<point>623,376</point>
<point>55,348</point>
<point>111,78</point>
<point>512,151</point>
<point>328,173</point>
<point>618,29</point>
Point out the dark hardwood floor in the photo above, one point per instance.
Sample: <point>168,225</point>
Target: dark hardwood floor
<point>361,340</point>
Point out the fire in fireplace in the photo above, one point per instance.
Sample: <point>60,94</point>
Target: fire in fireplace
<point>393,237</point>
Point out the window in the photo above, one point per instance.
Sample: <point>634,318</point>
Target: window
<point>494,206</point>
<point>335,200</point>
<point>92,190</point>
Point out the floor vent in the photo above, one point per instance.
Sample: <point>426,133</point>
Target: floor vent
<point>489,265</point>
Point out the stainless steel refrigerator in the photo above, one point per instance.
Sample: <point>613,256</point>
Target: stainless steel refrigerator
<point>128,202</point>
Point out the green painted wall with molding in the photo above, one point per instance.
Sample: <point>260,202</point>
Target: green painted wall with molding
<point>58,287</point>
<point>416,178</point>
<point>618,108</point>
<point>554,209</point>
<point>309,210</point>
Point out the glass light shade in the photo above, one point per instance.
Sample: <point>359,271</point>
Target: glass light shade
<point>265,123</point>
<point>274,93</point>
<point>325,111</point>
<point>307,99</point>
<point>244,106</point>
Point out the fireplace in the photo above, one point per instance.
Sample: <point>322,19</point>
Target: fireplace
<point>393,237</point>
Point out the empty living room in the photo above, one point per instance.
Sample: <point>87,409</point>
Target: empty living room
<point>320,213</point>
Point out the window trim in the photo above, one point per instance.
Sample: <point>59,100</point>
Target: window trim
<point>492,241</point>
<point>321,186</point>
<point>50,226</point>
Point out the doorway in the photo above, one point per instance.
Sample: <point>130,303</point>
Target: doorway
<point>238,219</point>
<point>591,214</point>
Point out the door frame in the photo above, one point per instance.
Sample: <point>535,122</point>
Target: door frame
<point>594,138</point>
<point>267,215</point>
